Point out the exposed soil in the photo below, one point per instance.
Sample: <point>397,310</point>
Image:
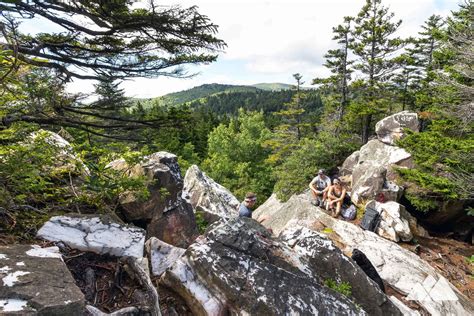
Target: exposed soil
<point>108,286</point>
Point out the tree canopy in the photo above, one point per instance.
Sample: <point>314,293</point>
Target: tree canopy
<point>108,38</point>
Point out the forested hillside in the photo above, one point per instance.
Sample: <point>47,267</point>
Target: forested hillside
<point>262,138</point>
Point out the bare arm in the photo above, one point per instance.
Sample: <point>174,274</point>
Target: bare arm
<point>311,186</point>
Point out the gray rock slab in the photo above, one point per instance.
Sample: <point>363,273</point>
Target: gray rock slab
<point>162,255</point>
<point>208,196</point>
<point>97,234</point>
<point>331,264</point>
<point>238,268</point>
<point>35,281</point>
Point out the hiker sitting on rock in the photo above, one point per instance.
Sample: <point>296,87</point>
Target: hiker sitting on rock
<point>246,207</point>
<point>319,188</point>
<point>336,194</point>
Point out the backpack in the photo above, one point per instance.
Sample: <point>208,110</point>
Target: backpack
<point>370,220</point>
<point>349,213</point>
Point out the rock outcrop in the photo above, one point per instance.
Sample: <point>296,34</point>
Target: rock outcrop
<point>239,268</point>
<point>391,128</point>
<point>97,234</point>
<point>165,184</point>
<point>35,281</point>
<point>331,264</point>
<point>166,214</point>
<point>66,160</point>
<point>396,223</point>
<point>373,173</point>
<point>209,197</point>
<point>398,267</point>
<point>162,255</point>
<point>371,167</point>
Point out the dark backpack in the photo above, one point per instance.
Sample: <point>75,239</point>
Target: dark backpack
<point>370,220</point>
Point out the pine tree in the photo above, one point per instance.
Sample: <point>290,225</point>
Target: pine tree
<point>290,130</point>
<point>338,62</point>
<point>426,45</point>
<point>374,46</point>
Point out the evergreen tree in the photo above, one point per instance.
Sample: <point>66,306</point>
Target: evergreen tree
<point>374,45</point>
<point>290,130</point>
<point>426,45</point>
<point>338,62</point>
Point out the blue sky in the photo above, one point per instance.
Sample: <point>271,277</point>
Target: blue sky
<point>268,41</point>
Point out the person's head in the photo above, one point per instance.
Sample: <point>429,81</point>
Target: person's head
<point>321,172</point>
<point>337,181</point>
<point>250,198</point>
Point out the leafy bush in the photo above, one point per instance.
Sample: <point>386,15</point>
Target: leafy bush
<point>295,173</point>
<point>342,287</point>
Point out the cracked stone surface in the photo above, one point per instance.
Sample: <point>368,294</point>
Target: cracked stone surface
<point>331,263</point>
<point>400,268</point>
<point>237,267</point>
<point>208,196</point>
<point>162,255</point>
<point>372,172</point>
<point>391,128</point>
<point>96,234</point>
<point>35,281</point>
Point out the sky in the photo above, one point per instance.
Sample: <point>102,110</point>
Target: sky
<point>269,41</point>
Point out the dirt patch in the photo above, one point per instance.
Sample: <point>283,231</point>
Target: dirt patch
<point>108,286</point>
<point>450,258</point>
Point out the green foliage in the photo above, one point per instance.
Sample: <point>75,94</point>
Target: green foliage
<point>40,178</point>
<point>326,151</point>
<point>237,158</point>
<point>342,287</point>
<point>32,172</point>
<point>201,223</point>
<point>470,259</point>
<point>444,165</point>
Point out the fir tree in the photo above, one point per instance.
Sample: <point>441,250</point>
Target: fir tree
<point>374,46</point>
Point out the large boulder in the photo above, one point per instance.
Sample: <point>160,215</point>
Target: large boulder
<point>176,227</point>
<point>165,184</point>
<point>373,174</point>
<point>348,166</point>
<point>166,214</point>
<point>99,234</point>
<point>399,268</point>
<point>390,129</point>
<point>209,197</point>
<point>239,268</point>
<point>331,264</point>
<point>35,281</point>
<point>395,221</point>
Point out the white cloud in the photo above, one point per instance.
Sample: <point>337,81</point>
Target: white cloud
<point>273,39</point>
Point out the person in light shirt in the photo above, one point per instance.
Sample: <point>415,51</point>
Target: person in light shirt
<point>319,187</point>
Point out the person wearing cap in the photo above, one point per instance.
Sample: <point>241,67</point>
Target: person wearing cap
<point>336,196</point>
<point>319,187</point>
<point>246,207</point>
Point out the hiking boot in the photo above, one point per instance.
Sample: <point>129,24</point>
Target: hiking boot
<point>315,202</point>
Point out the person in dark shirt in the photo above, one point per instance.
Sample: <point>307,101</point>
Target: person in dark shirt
<point>246,207</point>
